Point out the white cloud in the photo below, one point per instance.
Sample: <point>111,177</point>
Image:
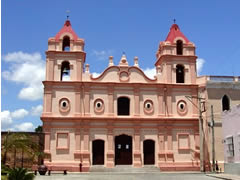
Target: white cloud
<point>94,74</point>
<point>102,55</point>
<point>7,122</point>
<point>37,110</point>
<point>18,114</point>
<point>22,57</point>
<point>26,126</point>
<point>6,119</point>
<point>200,63</point>
<point>150,72</point>
<point>27,69</point>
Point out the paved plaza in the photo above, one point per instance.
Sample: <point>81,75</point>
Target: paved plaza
<point>128,176</point>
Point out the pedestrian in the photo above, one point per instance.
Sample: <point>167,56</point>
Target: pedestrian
<point>217,167</point>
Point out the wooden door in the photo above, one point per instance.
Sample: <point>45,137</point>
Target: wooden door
<point>123,150</point>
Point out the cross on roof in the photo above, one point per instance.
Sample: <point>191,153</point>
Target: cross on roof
<point>68,12</point>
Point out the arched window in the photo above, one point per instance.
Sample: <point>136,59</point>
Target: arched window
<point>225,103</point>
<point>179,73</point>
<point>123,106</point>
<point>65,71</point>
<point>66,44</point>
<point>179,47</point>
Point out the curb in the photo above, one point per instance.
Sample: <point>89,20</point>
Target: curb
<point>212,175</point>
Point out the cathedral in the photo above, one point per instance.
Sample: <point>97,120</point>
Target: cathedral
<point>121,117</point>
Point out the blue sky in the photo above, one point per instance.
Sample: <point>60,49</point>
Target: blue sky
<point>109,28</point>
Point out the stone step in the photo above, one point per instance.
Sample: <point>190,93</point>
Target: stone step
<point>124,168</point>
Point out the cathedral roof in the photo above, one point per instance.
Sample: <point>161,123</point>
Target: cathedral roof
<point>66,28</point>
<point>175,32</point>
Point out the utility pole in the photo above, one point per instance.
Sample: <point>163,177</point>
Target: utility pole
<point>213,140</point>
<point>201,130</point>
<point>202,149</point>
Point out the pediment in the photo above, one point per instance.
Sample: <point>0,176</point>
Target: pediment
<point>118,74</point>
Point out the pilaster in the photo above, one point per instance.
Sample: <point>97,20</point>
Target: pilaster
<point>110,101</point>
<point>47,101</point>
<point>136,102</point>
<point>47,145</point>
<point>169,153</point>
<point>77,153</point>
<point>194,103</point>
<point>79,69</point>
<point>78,100</point>
<point>160,102</point>
<point>87,100</point>
<point>85,153</point>
<point>169,73</point>
<point>137,160</point>
<point>193,73</point>
<point>110,150</point>
<point>161,147</point>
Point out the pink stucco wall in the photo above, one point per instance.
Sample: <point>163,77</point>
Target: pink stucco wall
<point>70,130</point>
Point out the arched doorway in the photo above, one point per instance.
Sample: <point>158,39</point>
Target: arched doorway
<point>98,152</point>
<point>123,150</point>
<point>149,152</point>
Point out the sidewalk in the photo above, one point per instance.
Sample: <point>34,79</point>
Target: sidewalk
<point>224,176</point>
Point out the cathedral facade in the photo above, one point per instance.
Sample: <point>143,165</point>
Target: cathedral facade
<point>121,117</point>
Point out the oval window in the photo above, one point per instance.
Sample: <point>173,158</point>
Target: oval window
<point>182,107</point>
<point>98,106</point>
<point>64,105</point>
<point>148,106</point>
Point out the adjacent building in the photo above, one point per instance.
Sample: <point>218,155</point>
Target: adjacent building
<point>231,135</point>
<point>223,93</point>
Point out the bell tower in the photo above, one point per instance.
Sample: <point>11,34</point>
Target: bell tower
<point>65,55</point>
<point>176,59</point>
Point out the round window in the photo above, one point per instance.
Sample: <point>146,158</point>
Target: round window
<point>182,107</point>
<point>98,106</point>
<point>64,105</point>
<point>148,106</point>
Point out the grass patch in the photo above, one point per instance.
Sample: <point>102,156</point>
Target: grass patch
<point>3,177</point>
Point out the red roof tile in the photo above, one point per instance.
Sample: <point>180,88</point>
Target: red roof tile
<point>175,32</point>
<point>66,28</point>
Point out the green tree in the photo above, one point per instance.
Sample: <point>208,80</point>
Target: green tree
<point>39,129</point>
<point>19,141</point>
<point>20,174</point>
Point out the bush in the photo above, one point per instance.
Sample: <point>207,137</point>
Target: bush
<point>5,170</point>
<point>20,174</point>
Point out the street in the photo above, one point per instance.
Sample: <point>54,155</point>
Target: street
<point>127,176</point>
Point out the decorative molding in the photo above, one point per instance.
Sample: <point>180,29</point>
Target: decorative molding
<point>126,131</point>
<point>67,138</point>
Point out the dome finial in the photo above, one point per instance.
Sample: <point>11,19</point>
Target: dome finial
<point>174,21</point>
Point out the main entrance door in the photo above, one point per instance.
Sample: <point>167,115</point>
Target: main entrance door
<point>149,151</point>
<point>98,152</point>
<point>123,150</point>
